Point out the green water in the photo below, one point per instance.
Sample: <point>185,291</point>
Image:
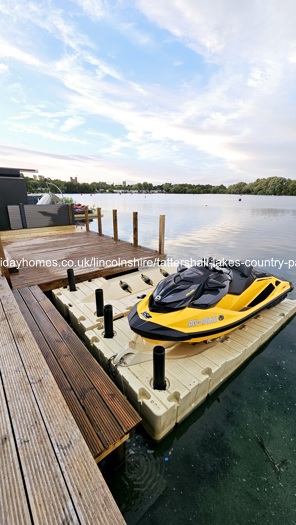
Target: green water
<point>212,469</point>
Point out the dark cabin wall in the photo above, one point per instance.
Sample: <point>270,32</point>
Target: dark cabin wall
<point>9,172</point>
<point>13,190</point>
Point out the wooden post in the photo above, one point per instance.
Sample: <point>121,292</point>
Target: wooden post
<point>3,268</point>
<point>86,218</point>
<point>99,216</point>
<point>71,213</point>
<point>115,228</point>
<point>161,234</point>
<point>135,228</point>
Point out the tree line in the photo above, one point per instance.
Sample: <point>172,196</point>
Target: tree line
<point>267,186</point>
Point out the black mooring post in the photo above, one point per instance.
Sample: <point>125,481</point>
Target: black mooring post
<point>108,321</point>
<point>99,302</point>
<point>159,368</point>
<point>71,280</point>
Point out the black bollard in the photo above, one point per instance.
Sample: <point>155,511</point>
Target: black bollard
<point>99,302</point>
<point>159,368</point>
<point>71,280</point>
<point>108,321</point>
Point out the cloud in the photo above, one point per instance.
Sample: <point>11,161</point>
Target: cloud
<point>10,51</point>
<point>227,29</point>
<point>253,87</point>
<point>94,8</point>
<point>203,86</point>
<point>3,69</point>
<point>71,122</point>
<point>45,133</point>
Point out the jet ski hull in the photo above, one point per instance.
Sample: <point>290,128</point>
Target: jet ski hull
<point>198,324</point>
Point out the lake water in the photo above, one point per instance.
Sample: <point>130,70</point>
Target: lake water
<point>212,469</point>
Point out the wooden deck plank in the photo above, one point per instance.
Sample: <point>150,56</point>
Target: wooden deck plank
<point>12,510</point>
<point>84,253</point>
<point>36,454</point>
<point>37,232</point>
<point>62,481</point>
<point>99,413</point>
<point>89,254</point>
<point>52,243</point>
<point>92,439</point>
<point>120,407</point>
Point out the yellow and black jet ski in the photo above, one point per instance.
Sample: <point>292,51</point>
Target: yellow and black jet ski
<point>204,302</point>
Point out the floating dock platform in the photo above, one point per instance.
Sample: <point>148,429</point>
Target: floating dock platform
<point>192,371</point>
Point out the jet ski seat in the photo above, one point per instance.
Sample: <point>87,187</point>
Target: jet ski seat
<point>242,278</point>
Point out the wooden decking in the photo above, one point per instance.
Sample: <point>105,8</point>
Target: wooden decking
<point>59,410</point>
<point>46,255</point>
<point>103,415</point>
<point>48,475</point>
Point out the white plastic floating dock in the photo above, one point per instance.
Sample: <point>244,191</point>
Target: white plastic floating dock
<point>192,371</point>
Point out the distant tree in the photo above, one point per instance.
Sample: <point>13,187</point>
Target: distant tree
<point>147,186</point>
<point>291,187</point>
<point>277,186</point>
<point>167,187</point>
<point>238,188</point>
<point>219,189</point>
<point>72,187</point>
<point>264,186</point>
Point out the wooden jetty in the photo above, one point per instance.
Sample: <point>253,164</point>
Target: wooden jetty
<point>45,255</point>
<point>48,475</point>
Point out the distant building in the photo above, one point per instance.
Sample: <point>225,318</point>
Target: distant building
<point>124,183</point>
<point>73,180</point>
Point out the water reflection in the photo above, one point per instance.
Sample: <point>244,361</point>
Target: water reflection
<point>218,225</point>
<point>273,213</point>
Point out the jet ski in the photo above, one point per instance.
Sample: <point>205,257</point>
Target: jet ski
<point>79,209</point>
<point>202,303</point>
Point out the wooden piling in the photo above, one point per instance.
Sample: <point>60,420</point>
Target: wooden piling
<point>161,234</point>
<point>71,214</point>
<point>135,229</point>
<point>86,218</point>
<point>115,227</point>
<point>99,217</point>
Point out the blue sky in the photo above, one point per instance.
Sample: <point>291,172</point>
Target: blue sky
<point>149,90</point>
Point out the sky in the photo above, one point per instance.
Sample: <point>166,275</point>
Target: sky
<point>196,91</point>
